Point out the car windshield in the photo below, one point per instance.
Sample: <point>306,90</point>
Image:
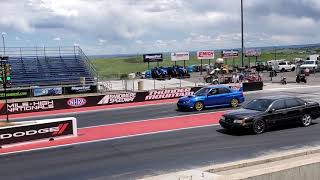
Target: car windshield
<point>259,104</point>
<point>309,62</point>
<point>202,92</point>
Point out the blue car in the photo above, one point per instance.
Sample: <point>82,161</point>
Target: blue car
<point>212,96</point>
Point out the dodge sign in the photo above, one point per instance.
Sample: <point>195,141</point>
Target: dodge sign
<point>44,129</point>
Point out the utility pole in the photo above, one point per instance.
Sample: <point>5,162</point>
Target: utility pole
<point>242,43</point>
<point>4,67</point>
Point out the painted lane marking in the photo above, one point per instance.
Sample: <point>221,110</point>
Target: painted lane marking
<point>124,130</point>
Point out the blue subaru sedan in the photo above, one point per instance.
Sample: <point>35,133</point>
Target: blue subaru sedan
<point>212,96</point>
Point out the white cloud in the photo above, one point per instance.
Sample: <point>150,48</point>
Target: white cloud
<point>57,39</point>
<point>101,41</point>
<point>158,25</point>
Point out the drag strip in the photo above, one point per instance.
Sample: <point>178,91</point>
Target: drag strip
<point>111,116</point>
<point>135,157</point>
<point>129,158</point>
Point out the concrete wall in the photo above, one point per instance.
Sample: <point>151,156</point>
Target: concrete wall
<point>305,172</point>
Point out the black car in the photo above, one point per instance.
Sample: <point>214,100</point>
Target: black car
<point>262,113</point>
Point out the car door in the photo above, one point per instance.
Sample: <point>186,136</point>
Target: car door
<point>225,95</point>
<point>277,112</point>
<point>212,97</point>
<point>294,110</point>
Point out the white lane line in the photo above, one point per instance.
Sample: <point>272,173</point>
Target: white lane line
<point>108,139</point>
<point>279,89</point>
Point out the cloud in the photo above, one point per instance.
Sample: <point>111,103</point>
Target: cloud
<point>57,39</point>
<point>101,41</point>
<point>133,26</point>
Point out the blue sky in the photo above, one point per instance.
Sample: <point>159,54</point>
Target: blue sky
<point>140,26</point>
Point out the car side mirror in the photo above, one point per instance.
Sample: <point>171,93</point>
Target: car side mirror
<point>271,111</point>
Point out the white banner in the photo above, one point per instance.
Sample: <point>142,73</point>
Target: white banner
<point>180,56</point>
<point>205,54</point>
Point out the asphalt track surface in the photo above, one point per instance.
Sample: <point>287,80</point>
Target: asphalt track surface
<point>135,157</point>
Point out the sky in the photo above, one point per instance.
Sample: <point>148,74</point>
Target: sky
<point>146,26</point>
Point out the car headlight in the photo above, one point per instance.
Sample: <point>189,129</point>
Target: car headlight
<point>238,121</point>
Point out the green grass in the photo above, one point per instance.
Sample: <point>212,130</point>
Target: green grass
<point>114,67</point>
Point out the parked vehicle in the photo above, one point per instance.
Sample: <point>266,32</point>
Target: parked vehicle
<point>301,78</point>
<point>262,113</point>
<point>285,66</point>
<point>312,65</point>
<point>212,96</point>
<point>159,73</point>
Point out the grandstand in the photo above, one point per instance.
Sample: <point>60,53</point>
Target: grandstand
<point>49,67</point>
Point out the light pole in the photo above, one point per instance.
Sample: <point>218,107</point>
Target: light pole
<point>4,60</point>
<point>4,46</point>
<point>242,44</point>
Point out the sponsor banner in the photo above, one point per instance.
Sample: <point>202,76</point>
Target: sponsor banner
<point>47,91</point>
<point>30,106</point>
<point>118,98</point>
<point>77,102</point>
<point>205,54</point>
<point>180,56</point>
<point>80,89</point>
<point>89,101</point>
<point>153,57</point>
<point>168,94</point>
<point>253,52</point>
<point>11,94</point>
<point>44,129</point>
<point>230,53</point>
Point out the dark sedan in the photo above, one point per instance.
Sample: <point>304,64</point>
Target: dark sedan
<point>262,113</point>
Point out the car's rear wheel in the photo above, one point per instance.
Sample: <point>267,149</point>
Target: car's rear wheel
<point>199,106</point>
<point>259,127</point>
<point>234,103</point>
<point>306,120</point>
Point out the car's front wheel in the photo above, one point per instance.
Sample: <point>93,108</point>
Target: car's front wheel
<point>234,103</point>
<point>306,120</point>
<point>259,127</point>
<point>199,106</point>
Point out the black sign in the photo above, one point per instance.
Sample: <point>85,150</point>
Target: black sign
<point>89,101</point>
<point>11,94</point>
<point>33,132</point>
<point>152,57</point>
<point>80,89</point>
<point>230,53</point>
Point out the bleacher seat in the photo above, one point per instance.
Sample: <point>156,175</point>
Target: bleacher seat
<point>49,70</point>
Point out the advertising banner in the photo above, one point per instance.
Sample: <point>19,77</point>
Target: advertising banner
<point>180,56</point>
<point>253,52</point>
<point>80,89</point>
<point>44,129</point>
<point>205,54</point>
<point>153,57</point>
<point>230,53</point>
<point>89,101</point>
<point>47,91</point>
<point>11,94</point>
